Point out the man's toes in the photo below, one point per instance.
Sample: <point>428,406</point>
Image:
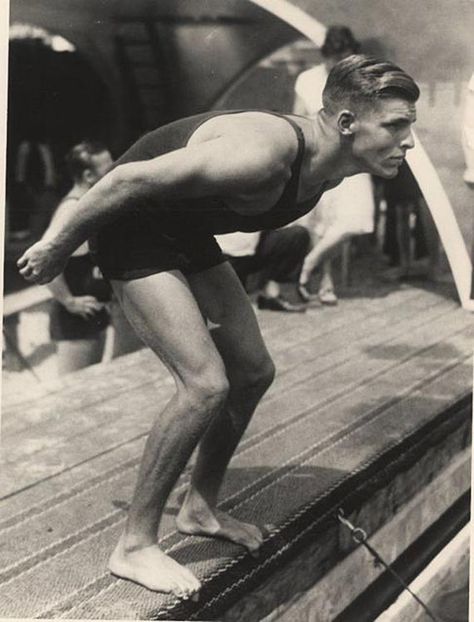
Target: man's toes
<point>181,589</point>
<point>257,534</point>
<point>189,582</point>
<point>180,592</point>
<point>253,545</point>
<point>254,551</point>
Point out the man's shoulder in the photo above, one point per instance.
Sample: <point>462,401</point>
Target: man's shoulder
<point>251,130</point>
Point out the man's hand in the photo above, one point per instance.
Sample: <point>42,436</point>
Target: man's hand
<point>85,306</point>
<point>42,262</point>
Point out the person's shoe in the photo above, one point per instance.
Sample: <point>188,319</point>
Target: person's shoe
<point>328,297</point>
<point>305,294</point>
<point>278,303</point>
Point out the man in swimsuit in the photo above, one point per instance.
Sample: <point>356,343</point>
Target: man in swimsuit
<point>155,215</point>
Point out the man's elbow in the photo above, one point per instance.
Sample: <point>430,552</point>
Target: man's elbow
<point>122,182</point>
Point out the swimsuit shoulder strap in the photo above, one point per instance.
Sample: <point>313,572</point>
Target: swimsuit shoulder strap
<point>297,162</point>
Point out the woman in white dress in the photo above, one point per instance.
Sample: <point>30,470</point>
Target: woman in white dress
<point>348,209</point>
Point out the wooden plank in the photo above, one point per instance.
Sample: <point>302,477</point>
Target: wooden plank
<point>135,415</point>
<point>342,584</point>
<point>137,370</point>
<point>47,442</point>
<point>135,367</point>
<point>292,490</point>
<point>347,389</point>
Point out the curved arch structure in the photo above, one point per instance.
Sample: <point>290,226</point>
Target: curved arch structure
<point>445,220</point>
<point>423,169</point>
<point>296,18</point>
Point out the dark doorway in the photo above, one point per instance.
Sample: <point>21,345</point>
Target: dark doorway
<point>55,99</point>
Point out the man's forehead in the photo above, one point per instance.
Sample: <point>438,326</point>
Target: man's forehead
<point>395,108</point>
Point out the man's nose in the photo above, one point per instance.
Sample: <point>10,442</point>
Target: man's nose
<point>409,141</point>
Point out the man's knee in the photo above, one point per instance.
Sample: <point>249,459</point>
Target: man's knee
<point>207,391</point>
<point>257,375</point>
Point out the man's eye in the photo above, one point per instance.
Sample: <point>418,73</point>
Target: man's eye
<point>395,127</point>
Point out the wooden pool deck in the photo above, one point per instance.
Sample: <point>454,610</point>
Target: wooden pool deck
<point>361,387</point>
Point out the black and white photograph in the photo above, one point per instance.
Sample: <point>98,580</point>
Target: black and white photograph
<point>238,310</point>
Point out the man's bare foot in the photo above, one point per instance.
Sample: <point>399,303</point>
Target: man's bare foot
<point>153,569</point>
<point>196,518</point>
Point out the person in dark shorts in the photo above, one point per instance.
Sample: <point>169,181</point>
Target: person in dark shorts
<point>78,314</point>
<point>154,218</point>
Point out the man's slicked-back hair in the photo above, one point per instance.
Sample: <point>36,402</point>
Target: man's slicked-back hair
<point>79,158</point>
<point>359,80</point>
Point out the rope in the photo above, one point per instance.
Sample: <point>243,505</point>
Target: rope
<point>360,537</point>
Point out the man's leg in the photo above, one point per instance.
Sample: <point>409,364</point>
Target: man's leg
<point>250,372</point>
<point>164,313</point>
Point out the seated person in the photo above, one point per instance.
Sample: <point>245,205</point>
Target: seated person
<point>276,255</point>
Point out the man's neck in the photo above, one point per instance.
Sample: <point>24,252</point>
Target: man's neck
<point>330,159</point>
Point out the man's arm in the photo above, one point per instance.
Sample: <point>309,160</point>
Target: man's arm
<point>227,166</point>
<point>223,167</point>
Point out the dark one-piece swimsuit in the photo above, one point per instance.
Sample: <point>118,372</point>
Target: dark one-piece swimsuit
<point>178,234</point>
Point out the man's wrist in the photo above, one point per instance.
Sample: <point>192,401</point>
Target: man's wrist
<point>68,302</point>
<point>59,243</point>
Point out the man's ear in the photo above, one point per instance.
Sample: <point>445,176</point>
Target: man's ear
<point>345,122</point>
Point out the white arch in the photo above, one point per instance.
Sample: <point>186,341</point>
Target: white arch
<point>445,220</point>
<point>295,17</point>
<point>423,169</point>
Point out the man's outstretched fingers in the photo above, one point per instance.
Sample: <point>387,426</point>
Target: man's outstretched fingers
<point>22,261</point>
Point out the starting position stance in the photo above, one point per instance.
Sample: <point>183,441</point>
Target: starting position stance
<point>153,218</point>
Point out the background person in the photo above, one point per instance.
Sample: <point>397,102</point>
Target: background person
<point>78,313</point>
<point>348,209</point>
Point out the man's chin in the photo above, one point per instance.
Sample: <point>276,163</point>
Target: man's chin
<point>389,172</point>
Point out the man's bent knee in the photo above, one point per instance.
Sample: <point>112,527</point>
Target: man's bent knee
<point>207,393</point>
<point>257,377</point>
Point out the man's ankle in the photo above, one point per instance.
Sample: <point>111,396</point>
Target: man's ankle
<point>132,541</point>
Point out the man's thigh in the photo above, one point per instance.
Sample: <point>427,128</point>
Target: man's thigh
<point>164,313</point>
<point>234,327</point>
